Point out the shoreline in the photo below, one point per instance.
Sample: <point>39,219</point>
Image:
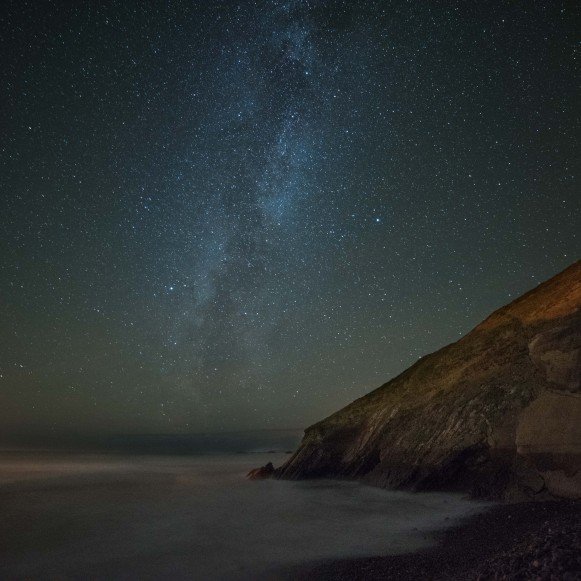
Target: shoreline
<point>527,540</point>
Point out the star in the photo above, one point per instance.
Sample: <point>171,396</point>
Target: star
<point>249,212</point>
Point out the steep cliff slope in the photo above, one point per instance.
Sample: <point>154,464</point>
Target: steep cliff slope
<point>497,413</point>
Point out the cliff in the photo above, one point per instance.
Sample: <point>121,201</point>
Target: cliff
<point>498,413</point>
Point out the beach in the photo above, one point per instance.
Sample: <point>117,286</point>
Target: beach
<point>522,541</point>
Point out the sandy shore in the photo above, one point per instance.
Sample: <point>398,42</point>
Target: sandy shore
<point>514,541</point>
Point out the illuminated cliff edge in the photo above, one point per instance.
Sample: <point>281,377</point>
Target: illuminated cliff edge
<point>498,413</point>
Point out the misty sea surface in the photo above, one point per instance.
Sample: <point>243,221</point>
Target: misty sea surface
<point>122,515</point>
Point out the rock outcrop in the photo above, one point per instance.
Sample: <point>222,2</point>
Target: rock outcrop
<point>261,473</point>
<point>497,413</point>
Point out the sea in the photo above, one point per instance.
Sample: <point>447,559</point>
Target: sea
<point>180,507</point>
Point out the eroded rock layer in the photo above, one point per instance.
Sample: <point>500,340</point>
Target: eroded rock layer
<point>497,413</point>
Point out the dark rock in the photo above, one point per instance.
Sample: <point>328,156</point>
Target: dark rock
<point>261,473</point>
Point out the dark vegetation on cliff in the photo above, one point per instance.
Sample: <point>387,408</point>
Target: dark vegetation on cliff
<point>498,413</point>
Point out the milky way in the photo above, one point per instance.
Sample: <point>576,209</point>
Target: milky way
<point>222,215</point>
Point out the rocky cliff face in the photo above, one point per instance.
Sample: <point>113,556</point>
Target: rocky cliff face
<point>497,413</point>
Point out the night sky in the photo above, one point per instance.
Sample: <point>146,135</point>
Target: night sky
<point>230,215</point>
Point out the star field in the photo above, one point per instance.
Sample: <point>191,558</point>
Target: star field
<point>222,215</point>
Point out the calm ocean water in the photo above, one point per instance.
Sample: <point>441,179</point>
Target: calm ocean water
<point>150,516</point>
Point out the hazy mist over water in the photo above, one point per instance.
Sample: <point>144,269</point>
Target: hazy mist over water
<point>152,516</point>
<point>205,443</point>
